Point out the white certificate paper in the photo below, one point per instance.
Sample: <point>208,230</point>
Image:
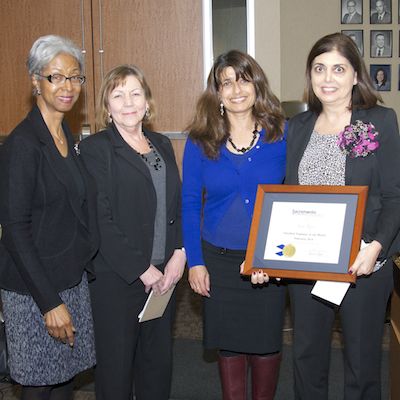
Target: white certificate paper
<point>305,232</point>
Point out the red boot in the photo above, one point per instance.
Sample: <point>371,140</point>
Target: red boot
<point>233,373</point>
<point>264,376</point>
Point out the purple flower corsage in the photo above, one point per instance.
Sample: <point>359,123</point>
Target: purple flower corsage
<point>358,139</point>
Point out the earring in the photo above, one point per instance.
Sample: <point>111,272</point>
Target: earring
<point>147,113</point>
<point>109,118</point>
<point>221,109</point>
<point>36,91</point>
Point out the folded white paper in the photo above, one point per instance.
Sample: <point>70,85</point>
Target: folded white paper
<point>333,292</point>
<point>155,305</point>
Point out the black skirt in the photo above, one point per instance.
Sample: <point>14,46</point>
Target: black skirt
<point>238,316</point>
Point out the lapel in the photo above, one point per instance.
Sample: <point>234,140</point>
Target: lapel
<point>56,161</point>
<point>122,149</point>
<point>301,138</point>
<point>162,146</point>
<point>349,172</point>
<point>164,149</point>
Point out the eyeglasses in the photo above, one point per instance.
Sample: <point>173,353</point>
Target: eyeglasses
<point>59,79</point>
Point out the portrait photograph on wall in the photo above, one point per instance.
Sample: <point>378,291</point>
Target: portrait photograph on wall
<point>381,11</point>
<point>381,76</point>
<point>358,36</point>
<point>352,11</point>
<point>381,44</point>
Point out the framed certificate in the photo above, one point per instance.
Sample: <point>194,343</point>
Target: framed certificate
<point>306,232</point>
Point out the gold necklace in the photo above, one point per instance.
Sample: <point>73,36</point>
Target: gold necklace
<point>58,138</point>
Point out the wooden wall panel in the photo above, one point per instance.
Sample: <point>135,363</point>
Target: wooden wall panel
<point>179,146</point>
<point>164,38</point>
<point>22,22</point>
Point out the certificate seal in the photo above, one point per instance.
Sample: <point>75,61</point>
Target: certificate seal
<point>289,250</point>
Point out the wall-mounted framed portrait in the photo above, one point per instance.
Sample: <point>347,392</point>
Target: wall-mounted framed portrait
<point>381,11</point>
<point>358,36</point>
<point>381,75</point>
<point>352,11</point>
<point>381,44</point>
<point>399,77</point>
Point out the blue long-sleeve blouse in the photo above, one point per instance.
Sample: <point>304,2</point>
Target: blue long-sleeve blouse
<point>222,216</point>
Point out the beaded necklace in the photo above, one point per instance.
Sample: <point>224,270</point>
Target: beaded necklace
<point>245,149</point>
<point>155,164</point>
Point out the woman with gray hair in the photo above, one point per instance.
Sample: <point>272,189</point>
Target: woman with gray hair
<point>47,241</point>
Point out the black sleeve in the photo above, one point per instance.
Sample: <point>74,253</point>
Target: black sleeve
<point>18,178</point>
<point>121,255</point>
<point>388,156</point>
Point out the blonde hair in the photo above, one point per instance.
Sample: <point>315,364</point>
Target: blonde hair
<point>114,78</point>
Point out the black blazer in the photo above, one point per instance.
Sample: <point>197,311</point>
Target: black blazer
<point>380,171</point>
<point>45,242</point>
<point>127,202</point>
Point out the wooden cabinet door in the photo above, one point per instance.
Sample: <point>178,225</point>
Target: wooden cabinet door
<point>22,22</point>
<point>163,38</point>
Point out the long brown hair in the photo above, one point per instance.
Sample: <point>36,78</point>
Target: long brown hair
<point>209,129</point>
<point>364,95</point>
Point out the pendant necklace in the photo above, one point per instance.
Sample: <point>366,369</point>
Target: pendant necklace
<point>245,149</point>
<point>58,138</point>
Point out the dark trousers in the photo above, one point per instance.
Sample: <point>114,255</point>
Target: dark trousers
<point>127,350</point>
<point>362,316</point>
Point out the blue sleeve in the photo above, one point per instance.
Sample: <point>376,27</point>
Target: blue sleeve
<point>192,196</point>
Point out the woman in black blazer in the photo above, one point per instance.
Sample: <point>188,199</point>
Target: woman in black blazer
<point>46,242</point>
<point>141,246</point>
<point>340,94</point>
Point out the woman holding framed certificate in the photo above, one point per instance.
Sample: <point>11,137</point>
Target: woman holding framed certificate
<point>236,141</point>
<point>346,139</point>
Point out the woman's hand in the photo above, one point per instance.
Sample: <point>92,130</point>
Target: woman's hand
<point>173,270</point>
<point>257,277</point>
<point>59,324</point>
<point>199,280</point>
<point>151,279</point>
<point>366,259</point>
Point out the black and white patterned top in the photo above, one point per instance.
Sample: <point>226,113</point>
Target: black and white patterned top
<point>323,163</point>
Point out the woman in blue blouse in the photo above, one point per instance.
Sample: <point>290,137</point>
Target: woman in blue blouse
<point>236,141</point>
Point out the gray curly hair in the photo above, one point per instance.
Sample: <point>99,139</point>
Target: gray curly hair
<point>46,48</point>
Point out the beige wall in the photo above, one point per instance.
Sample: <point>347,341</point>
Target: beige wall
<point>302,22</point>
<point>285,30</point>
<point>268,40</point>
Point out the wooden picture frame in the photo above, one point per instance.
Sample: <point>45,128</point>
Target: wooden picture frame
<point>289,235</point>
